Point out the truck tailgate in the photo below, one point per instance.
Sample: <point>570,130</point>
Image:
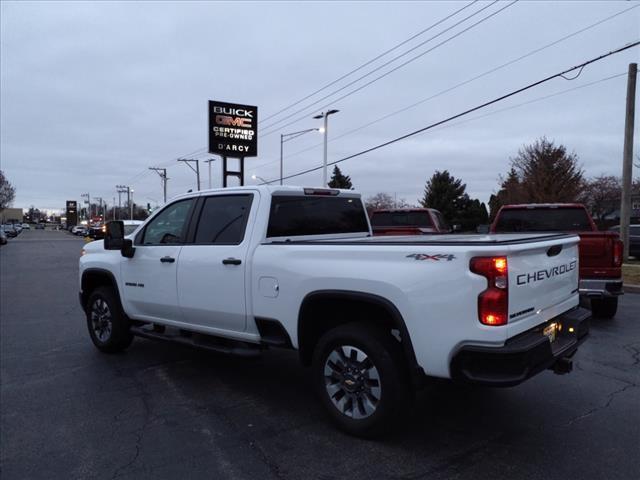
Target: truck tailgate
<point>542,277</point>
<point>596,254</point>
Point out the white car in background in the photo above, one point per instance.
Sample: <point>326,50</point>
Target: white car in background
<point>131,226</point>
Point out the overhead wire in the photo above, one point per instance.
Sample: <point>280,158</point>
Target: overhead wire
<point>458,85</point>
<point>470,110</point>
<point>387,73</point>
<point>369,62</point>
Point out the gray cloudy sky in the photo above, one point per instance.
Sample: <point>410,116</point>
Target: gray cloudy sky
<point>94,93</point>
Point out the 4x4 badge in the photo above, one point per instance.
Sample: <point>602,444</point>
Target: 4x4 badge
<point>437,257</point>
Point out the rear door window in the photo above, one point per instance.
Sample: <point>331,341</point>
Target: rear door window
<point>223,219</point>
<point>293,215</point>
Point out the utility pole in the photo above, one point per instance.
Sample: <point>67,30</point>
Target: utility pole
<point>163,176</point>
<point>88,201</point>
<point>99,199</point>
<point>114,207</point>
<point>209,162</point>
<point>188,162</point>
<point>121,189</point>
<point>129,191</point>
<point>627,165</point>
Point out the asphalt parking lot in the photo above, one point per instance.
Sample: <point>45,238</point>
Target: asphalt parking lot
<point>164,411</point>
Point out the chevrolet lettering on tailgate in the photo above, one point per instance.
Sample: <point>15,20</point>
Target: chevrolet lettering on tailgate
<point>540,275</point>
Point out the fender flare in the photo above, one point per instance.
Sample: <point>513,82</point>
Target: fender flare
<point>97,272</point>
<point>417,373</point>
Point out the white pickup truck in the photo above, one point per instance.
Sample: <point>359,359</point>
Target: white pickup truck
<point>238,270</point>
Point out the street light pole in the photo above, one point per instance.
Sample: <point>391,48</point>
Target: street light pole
<point>188,162</point>
<point>130,194</point>
<point>325,115</point>
<point>209,162</point>
<point>290,136</point>
<point>281,157</point>
<point>258,177</point>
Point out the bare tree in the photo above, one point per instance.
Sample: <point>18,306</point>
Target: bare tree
<point>602,195</point>
<point>379,201</point>
<point>547,173</point>
<point>7,192</point>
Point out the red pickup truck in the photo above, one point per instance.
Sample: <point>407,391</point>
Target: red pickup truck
<point>600,252</point>
<point>407,221</point>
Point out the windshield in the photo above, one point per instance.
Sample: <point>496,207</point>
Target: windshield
<point>543,220</point>
<point>401,219</point>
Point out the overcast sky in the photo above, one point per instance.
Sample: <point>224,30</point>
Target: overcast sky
<point>94,93</point>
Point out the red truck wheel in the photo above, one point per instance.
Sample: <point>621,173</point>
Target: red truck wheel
<point>604,307</point>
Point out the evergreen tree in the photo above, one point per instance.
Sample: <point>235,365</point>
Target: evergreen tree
<point>338,180</point>
<point>443,192</point>
<point>447,194</point>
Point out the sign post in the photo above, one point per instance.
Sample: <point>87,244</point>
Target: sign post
<point>233,133</point>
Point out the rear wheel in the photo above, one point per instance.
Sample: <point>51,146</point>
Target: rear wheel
<point>604,307</point>
<point>108,325</point>
<point>361,378</point>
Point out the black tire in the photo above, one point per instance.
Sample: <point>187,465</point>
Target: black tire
<point>604,307</point>
<point>107,323</point>
<point>388,401</point>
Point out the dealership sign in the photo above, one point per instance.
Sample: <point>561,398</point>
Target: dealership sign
<point>233,129</point>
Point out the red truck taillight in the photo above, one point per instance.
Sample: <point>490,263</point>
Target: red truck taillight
<point>618,247</point>
<point>493,303</point>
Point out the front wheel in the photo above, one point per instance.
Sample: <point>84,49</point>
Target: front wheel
<point>108,325</point>
<point>361,378</point>
<point>604,307</point>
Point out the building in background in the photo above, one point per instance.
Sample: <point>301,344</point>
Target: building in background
<point>11,215</point>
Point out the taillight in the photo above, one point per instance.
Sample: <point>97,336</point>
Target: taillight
<point>493,302</point>
<point>618,247</point>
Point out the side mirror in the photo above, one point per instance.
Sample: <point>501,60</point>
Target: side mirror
<point>114,239</point>
<point>114,236</point>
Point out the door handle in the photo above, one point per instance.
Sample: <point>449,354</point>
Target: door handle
<point>231,261</point>
<point>167,259</point>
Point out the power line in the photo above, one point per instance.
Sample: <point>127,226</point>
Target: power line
<point>461,84</point>
<point>203,150</point>
<point>412,59</point>
<point>473,109</point>
<point>369,62</point>
<point>535,100</point>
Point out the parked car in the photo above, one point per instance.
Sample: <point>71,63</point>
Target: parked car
<point>26,226</point>
<point>79,230</point>
<point>39,226</point>
<point>3,237</point>
<point>634,239</point>
<point>131,226</point>
<point>600,252</point>
<point>17,227</point>
<point>408,221</point>
<point>9,230</point>
<point>238,269</point>
<point>95,232</point>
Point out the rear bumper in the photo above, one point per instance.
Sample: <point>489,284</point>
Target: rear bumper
<point>600,287</point>
<point>522,356</point>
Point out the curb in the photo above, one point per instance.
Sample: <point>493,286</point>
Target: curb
<point>631,288</point>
